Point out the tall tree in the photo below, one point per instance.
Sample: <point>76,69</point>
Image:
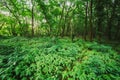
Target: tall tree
<point>91,22</point>
<point>110,25</point>
<point>86,20</point>
<point>32,17</point>
<point>99,14</point>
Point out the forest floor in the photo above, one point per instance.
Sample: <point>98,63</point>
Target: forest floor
<point>58,59</point>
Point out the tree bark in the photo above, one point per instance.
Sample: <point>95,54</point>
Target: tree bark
<point>99,12</point>
<point>2,25</point>
<point>117,36</point>
<point>86,20</point>
<point>91,24</point>
<point>110,25</point>
<point>32,17</point>
<point>61,17</point>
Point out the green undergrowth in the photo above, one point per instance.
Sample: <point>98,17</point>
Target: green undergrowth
<point>57,59</point>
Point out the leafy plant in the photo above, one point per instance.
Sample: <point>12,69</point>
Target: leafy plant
<point>45,60</point>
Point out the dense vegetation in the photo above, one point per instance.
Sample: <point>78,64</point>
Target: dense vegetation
<point>44,59</point>
<point>59,39</point>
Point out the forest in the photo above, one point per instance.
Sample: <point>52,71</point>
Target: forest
<point>59,39</point>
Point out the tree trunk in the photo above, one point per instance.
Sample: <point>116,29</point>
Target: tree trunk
<point>2,25</point>
<point>86,20</point>
<point>117,36</point>
<point>61,17</point>
<point>99,12</point>
<point>32,17</point>
<point>110,25</point>
<point>46,15</point>
<point>91,25</point>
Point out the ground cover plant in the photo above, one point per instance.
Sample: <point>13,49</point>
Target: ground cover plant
<point>59,39</point>
<point>46,58</point>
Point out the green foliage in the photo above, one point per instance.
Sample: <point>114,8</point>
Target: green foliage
<point>57,59</point>
<point>61,18</point>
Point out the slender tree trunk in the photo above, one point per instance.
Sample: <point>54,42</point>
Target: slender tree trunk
<point>15,15</point>
<point>107,15</point>
<point>61,17</point>
<point>99,12</point>
<point>32,17</point>
<point>2,25</point>
<point>65,22</point>
<point>91,23</point>
<point>17,18</point>
<point>117,36</point>
<point>72,31</point>
<point>13,31</point>
<point>86,20</point>
<point>110,25</point>
<point>99,29</point>
<point>46,15</point>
